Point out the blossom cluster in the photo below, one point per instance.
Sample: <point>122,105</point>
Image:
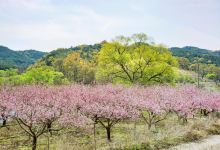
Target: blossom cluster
<point>80,104</point>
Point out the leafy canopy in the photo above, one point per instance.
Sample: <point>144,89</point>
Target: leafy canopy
<point>132,60</point>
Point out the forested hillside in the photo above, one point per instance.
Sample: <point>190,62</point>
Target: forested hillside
<point>86,52</point>
<point>115,61</point>
<point>84,63</point>
<point>125,60</point>
<point>18,59</point>
<point>204,62</point>
<point>22,59</point>
<point>191,53</point>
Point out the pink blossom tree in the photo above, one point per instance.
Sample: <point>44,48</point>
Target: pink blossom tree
<point>188,100</point>
<point>71,101</point>
<point>33,108</point>
<point>208,102</point>
<point>153,103</point>
<point>4,111</point>
<point>37,108</point>
<point>108,105</point>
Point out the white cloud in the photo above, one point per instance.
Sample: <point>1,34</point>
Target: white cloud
<point>63,28</point>
<point>47,24</point>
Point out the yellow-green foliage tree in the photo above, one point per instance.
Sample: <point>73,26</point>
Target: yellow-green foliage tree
<point>42,75</point>
<point>5,75</point>
<point>184,63</point>
<point>72,66</point>
<point>132,60</point>
<point>77,69</point>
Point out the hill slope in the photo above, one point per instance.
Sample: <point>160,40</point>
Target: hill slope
<point>18,59</point>
<point>86,51</point>
<point>22,59</point>
<point>209,57</point>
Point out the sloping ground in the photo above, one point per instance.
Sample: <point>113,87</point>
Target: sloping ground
<point>192,53</point>
<point>18,59</point>
<point>210,143</point>
<point>210,85</point>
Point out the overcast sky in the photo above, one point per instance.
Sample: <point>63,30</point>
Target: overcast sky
<point>49,24</point>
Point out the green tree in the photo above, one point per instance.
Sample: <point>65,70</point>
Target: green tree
<point>72,66</point>
<point>184,63</point>
<point>77,69</point>
<point>6,75</point>
<point>216,74</point>
<point>133,60</point>
<point>43,75</point>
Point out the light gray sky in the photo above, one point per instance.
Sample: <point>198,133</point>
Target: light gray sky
<point>49,24</point>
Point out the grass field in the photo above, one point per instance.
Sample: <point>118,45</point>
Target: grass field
<point>125,135</point>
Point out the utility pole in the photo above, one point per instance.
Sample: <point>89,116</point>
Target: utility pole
<point>198,73</point>
<point>197,61</point>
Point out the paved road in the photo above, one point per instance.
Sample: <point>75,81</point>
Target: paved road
<point>210,143</point>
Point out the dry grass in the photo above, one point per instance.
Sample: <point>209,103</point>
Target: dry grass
<point>125,135</point>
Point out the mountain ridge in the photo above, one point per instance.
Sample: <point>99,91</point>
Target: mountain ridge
<point>18,59</point>
<point>191,53</point>
<point>23,58</point>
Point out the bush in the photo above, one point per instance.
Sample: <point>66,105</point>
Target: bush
<point>214,129</point>
<point>142,146</point>
<point>185,79</point>
<point>194,135</point>
<point>198,126</point>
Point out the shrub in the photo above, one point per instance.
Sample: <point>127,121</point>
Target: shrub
<point>194,135</point>
<point>214,129</point>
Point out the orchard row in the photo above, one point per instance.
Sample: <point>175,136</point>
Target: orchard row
<point>39,109</point>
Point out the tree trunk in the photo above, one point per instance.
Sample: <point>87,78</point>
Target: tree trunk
<point>4,122</point>
<point>48,142</point>
<point>185,120</point>
<point>34,143</point>
<point>149,126</point>
<point>135,127</point>
<point>49,126</point>
<point>94,133</point>
<point>108,131</point>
